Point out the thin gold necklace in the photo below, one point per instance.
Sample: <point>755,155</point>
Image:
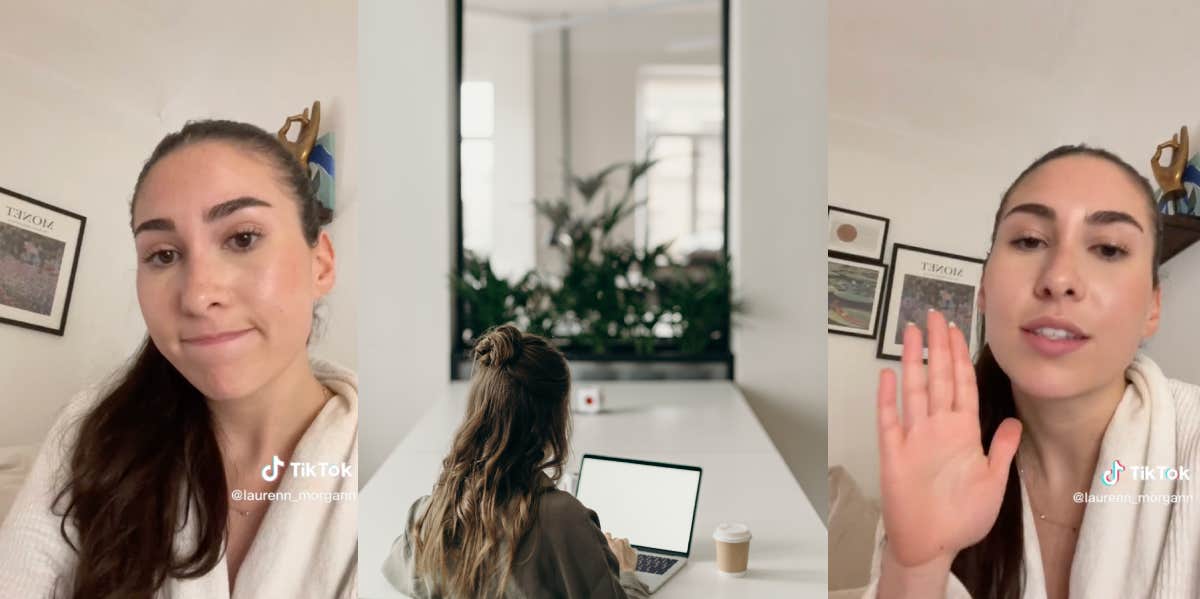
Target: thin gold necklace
<point>1033,508</point>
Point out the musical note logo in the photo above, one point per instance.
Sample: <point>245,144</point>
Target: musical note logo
<point>271,472</point>
<point>1113,474</point>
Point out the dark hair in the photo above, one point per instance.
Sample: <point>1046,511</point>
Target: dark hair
<point>517,425</point>
<point>146,459</point>
<point>992,568</point>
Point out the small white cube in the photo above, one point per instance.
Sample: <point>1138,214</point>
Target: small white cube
<point>588,400</point>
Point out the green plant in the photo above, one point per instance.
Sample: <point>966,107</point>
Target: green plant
<point>609,295</point>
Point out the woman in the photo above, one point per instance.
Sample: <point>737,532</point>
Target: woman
<point>1058,394</point>
<point>145,487</point>
<point>495,526</point>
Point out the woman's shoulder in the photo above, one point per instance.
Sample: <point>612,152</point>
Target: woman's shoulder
<point>1187,406</point>
<point>1184,391</point>
<point>335,376</point>
<point>561,514</point>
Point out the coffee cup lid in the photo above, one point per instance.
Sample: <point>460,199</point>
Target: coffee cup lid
<point>732,532</point>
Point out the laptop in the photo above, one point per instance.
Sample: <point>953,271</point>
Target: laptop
<point>650,503</point>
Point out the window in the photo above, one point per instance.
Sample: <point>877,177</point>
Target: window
<point>680,122</point>
<point>478,126</point>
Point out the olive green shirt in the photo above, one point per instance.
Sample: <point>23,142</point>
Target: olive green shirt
<point>565,555</point>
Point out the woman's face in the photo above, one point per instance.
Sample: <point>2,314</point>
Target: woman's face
<point>1067,291</point>
<point>225,279</point>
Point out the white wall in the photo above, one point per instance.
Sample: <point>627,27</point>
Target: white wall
<point>935,107</point>
<point>778,149</point>
<point>89,89</point>
<point>406,236</point>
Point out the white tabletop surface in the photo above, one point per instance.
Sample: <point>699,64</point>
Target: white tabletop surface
<point>701,423</point>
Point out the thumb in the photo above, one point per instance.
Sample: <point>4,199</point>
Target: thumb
<point>1004,447</point>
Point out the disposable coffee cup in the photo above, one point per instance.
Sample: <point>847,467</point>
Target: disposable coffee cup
<point>733,548</point>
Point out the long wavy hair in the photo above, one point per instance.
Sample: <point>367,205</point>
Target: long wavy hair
<point>146,459</point>
<point>992,568</point>
<point>517,426</point>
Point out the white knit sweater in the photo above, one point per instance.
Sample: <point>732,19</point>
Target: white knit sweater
<point>304,548</point>
<point>1127,550</point>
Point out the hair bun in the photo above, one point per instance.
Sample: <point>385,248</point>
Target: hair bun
<point>499,346</point>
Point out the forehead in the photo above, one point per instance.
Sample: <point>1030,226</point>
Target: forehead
<point>202,174</point>
<point>1080,184</point>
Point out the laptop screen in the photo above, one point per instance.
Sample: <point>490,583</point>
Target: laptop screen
<point>651,504</point>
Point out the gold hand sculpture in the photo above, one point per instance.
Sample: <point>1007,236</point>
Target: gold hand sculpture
<point>1170,177</point>
<point>309,127</point>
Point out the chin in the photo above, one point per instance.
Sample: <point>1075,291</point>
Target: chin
<point>1051,385</point>
<point>225,382</point>
<point>1066,376</point>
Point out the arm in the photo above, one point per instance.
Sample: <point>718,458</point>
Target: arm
<point>891,579</point>
<point>400,566</point>
<point>579,552</point>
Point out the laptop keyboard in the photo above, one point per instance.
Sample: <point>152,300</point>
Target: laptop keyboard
<point>654,564</point>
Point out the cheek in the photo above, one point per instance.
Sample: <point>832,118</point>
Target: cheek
<point>1002,283</point>
<point>1121,307</point>
<point>156,300</point>
<point>282,290</point>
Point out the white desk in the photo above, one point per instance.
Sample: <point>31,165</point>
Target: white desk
<point>703,423</point>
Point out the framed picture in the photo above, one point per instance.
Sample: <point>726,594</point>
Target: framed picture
<point>39,248</point>
<point>857,234</point>
<point>855,290</point>
<point>921,279</point>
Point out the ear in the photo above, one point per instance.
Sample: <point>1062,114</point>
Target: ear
<point>324,267</point>
<point>980,301</point>
<point>1154,314</point>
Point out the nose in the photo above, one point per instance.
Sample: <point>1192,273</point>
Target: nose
<point>204,287</point>
<point>1060,278</point>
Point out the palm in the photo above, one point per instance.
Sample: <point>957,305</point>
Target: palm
<point>941,493</point>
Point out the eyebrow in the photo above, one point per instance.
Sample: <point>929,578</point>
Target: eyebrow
<point>216,212</point>
<point>1101,217</point>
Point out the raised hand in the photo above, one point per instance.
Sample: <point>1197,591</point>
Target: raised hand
<point>940,492</point>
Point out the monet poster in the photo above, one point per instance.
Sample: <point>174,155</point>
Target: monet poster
<point>855,289</point>
<point>39,248</point>
<point>921,279</point>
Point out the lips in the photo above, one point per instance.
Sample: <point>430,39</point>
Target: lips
<point>1053,337</point>
<point>215,338</point>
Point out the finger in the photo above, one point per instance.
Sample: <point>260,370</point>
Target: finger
<point>913,378</point>
<point>966,392</point>
<point>1003,448</point>
<point>890,433</point>
<point>941,373</point>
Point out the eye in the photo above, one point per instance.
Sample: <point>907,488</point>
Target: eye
<point>162,258</point>
<point>243,241</point>
<point>1027,242</point>
<point>1110,251</point>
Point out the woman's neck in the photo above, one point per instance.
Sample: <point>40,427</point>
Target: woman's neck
<point>270,421</point>
<point>1063,434</point>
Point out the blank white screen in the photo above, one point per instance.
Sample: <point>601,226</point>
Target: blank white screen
<point>652,506</point>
